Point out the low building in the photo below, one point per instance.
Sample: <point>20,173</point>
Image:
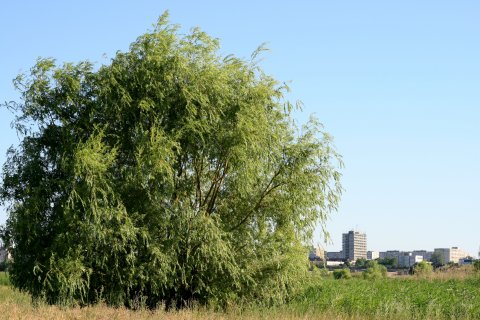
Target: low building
<point>465,261</point>
<point>334,263</point>
<point>427,255</point>
<point>316,254</point>
<point>389,254</point>
<point>335,256</point>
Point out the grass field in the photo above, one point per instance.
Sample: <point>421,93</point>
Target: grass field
<point>394,298</point>
<point>443,297</point>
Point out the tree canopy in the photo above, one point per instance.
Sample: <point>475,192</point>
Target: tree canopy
<point>171,174</point>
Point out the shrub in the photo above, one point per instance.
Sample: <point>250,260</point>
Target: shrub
<point>375,271</point>
<point>423,269</point>
<point>342,274</point>
<point>476,265</point>
<point>361,263</point>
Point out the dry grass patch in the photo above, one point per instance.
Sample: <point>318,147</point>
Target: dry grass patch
<point>16,305</point>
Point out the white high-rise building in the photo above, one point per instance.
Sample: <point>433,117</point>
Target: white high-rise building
<point>354,245</point>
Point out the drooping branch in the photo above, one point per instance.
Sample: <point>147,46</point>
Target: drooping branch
<point>266,191</point>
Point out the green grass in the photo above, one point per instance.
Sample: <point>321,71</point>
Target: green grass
<point>4,279</point>
<point>408,298</point>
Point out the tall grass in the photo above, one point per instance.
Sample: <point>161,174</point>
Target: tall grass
<point>407,298</point>
<point>323,298</point>
<point>16,305</point>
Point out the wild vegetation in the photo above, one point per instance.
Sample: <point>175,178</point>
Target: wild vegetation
<point>397,298</point>
<point>342,274</point>
<point>171,175</point>
<point>423,269</point>
<point>408,297</point>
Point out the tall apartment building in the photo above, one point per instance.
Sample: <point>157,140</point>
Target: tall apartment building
<point>354,245</point>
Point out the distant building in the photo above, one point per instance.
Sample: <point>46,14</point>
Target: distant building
<point>390,254</point>
<point>453,254</point>
<point>335,256</point>
<point>427,255</point>
<point>372,255</point>
<point>316,254</point>
<point>408,259</point>
<point>334,263</point>
<point>465,261</point>
<point>354,245</point>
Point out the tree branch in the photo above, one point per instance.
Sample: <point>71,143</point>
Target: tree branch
<point>268,189</point>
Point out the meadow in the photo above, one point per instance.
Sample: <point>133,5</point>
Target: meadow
<point>454,295</point>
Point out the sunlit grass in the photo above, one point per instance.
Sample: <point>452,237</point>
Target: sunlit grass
<point>408,298</point>
<point>443,296</point>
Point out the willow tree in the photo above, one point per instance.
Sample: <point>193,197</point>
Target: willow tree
<point>172,174</point>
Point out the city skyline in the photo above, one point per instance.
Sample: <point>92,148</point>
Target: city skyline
<point>331,248</point>
<point>348,236</point>
<point>395,84</point>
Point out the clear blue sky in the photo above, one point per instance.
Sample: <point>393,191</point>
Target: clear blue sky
<point>397,83</point>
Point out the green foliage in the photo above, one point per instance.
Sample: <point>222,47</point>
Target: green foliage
<point>324,272</point>
<point>4,280</point>
<point>437,259</point>
<point>476,265</point>
<point>361,263</point>
<point>374,271</point>
<point>389,262</point>
<point>423,269</point>
<point>171,174</point>
<point>342,274</point>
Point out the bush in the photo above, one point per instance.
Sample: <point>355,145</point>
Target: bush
<point>476,265</point>
<point>375,271</point>
<point>342,274</point>
<point>423,269</point>
<point>389,262</point>
<point>361,263</point>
